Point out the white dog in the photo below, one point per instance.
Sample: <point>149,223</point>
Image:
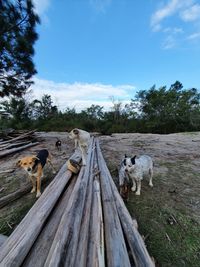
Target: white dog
<point>137,169</point>
<point>81,139</point>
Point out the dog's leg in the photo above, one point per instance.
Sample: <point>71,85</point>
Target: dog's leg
<point>133,188</point>
<point>40,174</point>
<point>150,177</point>
<point>50,163</point>
<point>33,183</point>
<point>76,143</point>
<point>138,187</point>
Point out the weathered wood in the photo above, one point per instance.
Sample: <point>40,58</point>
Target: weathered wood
<point>15,195</point>
<point>81,222</point>
<point>7,152</point>
<point>19,193</point>
<point>39,252</point>
<point>7,171</point>
<point>96,247</point>
<point>81,250</point>
<point>135,241</point>
<point>21,240</point>
<point>2,239</point>
<point>9,146</point>
<point>116,252</point>
<point>18,137</point>
<point>63,249</point>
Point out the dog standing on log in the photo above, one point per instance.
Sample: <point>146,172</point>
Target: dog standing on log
<point>81,139</point>
<point>136,169</point>
<point>34,165</point>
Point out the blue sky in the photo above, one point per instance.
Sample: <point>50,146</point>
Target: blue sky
<point>90,50</point>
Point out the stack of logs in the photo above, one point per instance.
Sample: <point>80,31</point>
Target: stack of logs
<point>80,220</point>
<point>16,142</point>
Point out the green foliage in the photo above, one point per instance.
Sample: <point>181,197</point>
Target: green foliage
<point>166,111</point>
<point>44,109</point>
<point>17,37</point>
<point>154,110</point>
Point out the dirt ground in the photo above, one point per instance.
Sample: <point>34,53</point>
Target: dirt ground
<point>168,214</point>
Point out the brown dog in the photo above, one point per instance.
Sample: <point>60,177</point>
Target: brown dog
<point>34,165</point>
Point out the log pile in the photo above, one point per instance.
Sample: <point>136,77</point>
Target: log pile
<point>17,141</point>
<point>80,220</point>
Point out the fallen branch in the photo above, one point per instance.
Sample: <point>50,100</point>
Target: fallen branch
<point>7,171</point>
<point>18,137</point>
<point>14,150</point>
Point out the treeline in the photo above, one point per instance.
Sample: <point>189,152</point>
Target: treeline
<point>157,110</point>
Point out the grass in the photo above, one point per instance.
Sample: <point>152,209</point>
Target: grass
<point>172,242</point>
<point>171,232</point>
<point>11,216</point>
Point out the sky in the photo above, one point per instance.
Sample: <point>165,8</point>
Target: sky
<point>100,51</point>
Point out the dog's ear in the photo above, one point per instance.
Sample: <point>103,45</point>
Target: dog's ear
<point>125,155</point>
<point>35,158</point>
<point>76,131</point>
<point>124,162</point>
<point>133,160</point>
<point>18,164</point>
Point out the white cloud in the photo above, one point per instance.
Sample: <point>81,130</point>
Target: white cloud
<point>191,14</point>
<point>181,7</point>
<point>194,36</point>
<point>186,11</point>
<point>173,30</point>
<point>169,42</point>
<point>41,6</point>
<point>100,5</point>
<point>81,95</point>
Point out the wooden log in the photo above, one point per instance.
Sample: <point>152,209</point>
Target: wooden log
<point>96,247</point>
<point>116,251</point>
<point>134,239</point>
<point>14,150</point>
<point>2,239</point>
<point>39,252</point>
<point>18,137</point>
<point>9,146</point>
<point>63,249</point>
<point>18,194</point>
<point>7,171</point>
<point>81,250</point>
<point>15,195</point>
<point>21,240</point>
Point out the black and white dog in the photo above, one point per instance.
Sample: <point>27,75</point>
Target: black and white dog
<point>136,169</point>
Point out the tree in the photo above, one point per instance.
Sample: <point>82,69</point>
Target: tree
<point>43,109</point>
<point>20,110</point>
<point>94,112</point>
<point>17,37</point>
<point>173,110</point>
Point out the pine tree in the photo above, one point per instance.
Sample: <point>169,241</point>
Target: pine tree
<point>17,37</point>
